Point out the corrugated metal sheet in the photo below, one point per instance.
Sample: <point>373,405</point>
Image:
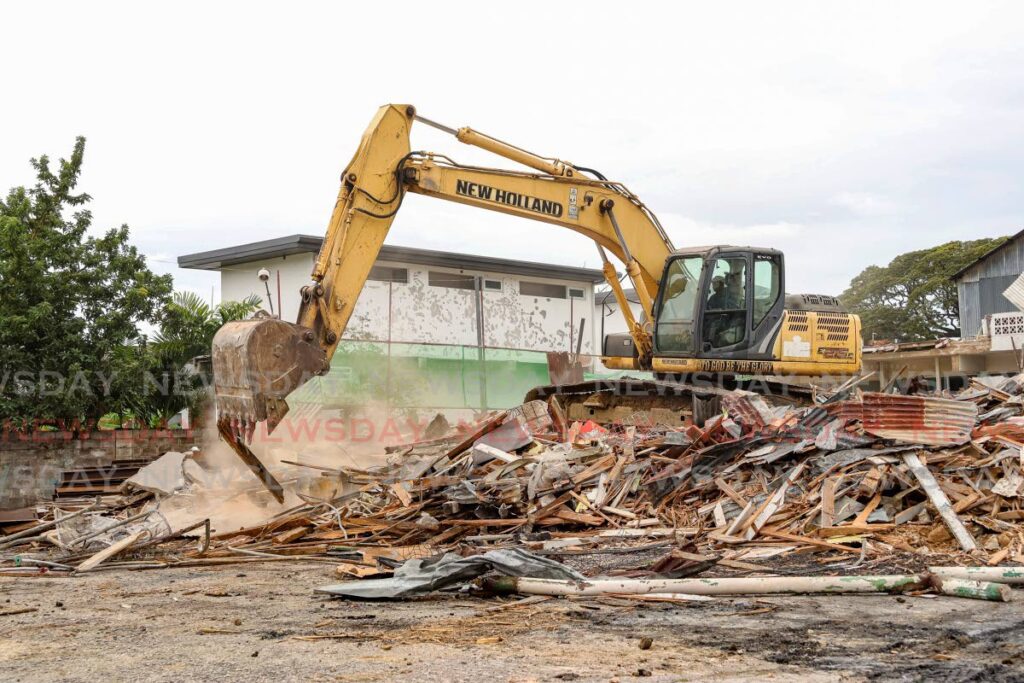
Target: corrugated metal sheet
<point>750,410</point>
<point>918,419</point>
<point>970,309</point>
<point>982,298</point>
<point>1015,293</point>
<point>990,294</point>
<point>913,419</point>
<point>1007,260</point>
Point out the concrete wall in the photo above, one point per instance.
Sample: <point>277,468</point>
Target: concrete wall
<point>31,464</point>
<point>425,314</point>
<point>238,282</point>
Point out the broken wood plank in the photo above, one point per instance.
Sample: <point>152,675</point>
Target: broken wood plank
<point>486,427</point>
<point>862,518</point>
<point>731,492</point>
<point>854,530</point>
<point>774,502</point>
<point>110,551</point>
<point>719,514</point>
<point>357,571</point>
<point>401,493</point>
<point>740,520</point>
<point>940,502</point>
<point>291,535</point>
<point>828,502</point>
<point>809,541</point>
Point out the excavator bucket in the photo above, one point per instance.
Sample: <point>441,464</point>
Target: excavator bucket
<point>256,364</point>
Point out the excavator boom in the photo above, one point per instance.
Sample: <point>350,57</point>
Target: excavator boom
<point>258,362</point>
<point>720,310</point>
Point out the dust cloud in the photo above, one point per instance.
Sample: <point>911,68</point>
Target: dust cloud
<point>219,486</point>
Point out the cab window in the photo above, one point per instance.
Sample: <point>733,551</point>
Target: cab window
<point>725,304</point>
<point>766,285</point>
<point>674,332</point>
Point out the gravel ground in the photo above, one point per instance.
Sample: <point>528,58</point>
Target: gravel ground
<point>254,621</point>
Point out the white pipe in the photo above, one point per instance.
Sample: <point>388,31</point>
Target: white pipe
<point>726,586</point>
<point>978,590</point>
<point>1013,575</point>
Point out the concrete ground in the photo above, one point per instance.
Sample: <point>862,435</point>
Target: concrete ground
<point>255,622</point>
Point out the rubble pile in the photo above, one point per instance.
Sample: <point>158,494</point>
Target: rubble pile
<point>857,480</point>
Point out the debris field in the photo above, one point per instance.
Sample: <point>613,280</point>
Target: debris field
<point>859,492</point>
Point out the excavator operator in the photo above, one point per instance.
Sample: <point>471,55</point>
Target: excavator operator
<point>719,300</point>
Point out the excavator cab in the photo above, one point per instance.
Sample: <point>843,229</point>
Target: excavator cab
<point>719,303</point>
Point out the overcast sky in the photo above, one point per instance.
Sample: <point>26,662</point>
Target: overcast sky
<point>841,133</point>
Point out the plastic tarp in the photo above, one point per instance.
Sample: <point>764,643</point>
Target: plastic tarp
<point>420,576</point>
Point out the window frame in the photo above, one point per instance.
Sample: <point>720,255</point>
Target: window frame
<point>433,277</point>
<point>393,270</point>
<point>539,295</point>
<point>659,312</point>
<point>777,262</point>
<point>709,274</point>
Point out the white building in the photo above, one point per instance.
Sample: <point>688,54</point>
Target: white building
<point>424,307</point>
<point>607,317</point>
<point>425,296</point>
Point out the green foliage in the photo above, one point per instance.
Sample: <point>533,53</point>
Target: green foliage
<point>190,323</point>
<point>70,302</point>
<point>913,298</point>
<point>173,380</point>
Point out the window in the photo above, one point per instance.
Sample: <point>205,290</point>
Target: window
<point>679,297</point>
<point>545,289</point>
<point>576,294</point>
<point>389,274</point>
<point>725,305</point>
<point>492,285</point>
<point>766,285</point>
<point>451,280</point>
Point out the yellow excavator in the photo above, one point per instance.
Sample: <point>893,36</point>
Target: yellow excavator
<point>714,312</point>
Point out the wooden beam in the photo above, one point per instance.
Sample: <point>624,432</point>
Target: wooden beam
<point>108,552</point>
<point>940,502</point>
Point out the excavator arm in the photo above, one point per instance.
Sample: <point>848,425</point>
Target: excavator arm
<point>257,363</point>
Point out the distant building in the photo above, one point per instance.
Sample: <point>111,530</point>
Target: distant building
<point>980,286</point>
<point>414,336</point>
<point>991,327</point>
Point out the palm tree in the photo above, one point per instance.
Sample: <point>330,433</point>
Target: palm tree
<point>185,336</point>
<point>190,323</point>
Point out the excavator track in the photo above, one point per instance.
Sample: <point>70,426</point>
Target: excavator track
<point>668,402</point>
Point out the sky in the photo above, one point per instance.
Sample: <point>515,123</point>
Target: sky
<point>841,133</point>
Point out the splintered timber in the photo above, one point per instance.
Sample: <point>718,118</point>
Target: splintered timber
<point>515,199</point>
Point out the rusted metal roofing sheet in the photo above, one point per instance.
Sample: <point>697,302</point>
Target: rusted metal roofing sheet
<point>918,419</point>
<point>748,409</point>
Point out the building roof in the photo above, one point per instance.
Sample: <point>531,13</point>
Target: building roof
<point>991,252</point>
<point>298,244</point>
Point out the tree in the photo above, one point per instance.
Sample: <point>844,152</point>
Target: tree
<point>189,324</point>
<point>913,298</point>
<point>171,379</point>
<point>69,302</point>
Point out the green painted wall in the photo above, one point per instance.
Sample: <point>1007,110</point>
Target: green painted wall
<point>426,376</point>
